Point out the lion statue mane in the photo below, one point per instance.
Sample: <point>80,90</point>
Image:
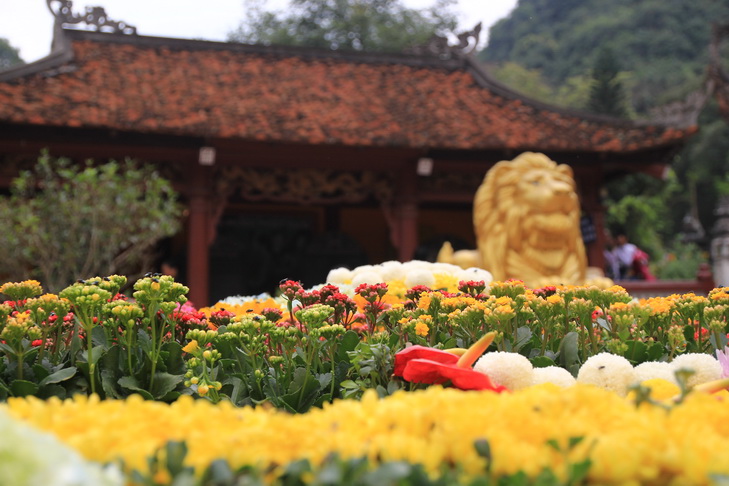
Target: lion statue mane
<point>526,216</point>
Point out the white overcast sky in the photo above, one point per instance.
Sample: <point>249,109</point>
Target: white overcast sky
<point>28,24</point>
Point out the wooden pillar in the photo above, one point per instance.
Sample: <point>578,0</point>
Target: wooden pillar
<point>406,214</point>
<point>198,236</point>
<point>589,186</point>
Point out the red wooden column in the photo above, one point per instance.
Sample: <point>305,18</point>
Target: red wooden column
<point>198,236</point>
<point>590,184</point>
<point>406,215</point>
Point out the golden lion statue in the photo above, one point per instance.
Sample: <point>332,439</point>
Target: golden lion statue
<point>526,216</point>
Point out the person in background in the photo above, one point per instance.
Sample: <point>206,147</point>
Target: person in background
<point>612,267</point>
<point>632,261</point>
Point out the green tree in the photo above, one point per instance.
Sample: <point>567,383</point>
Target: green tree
<point>62,221</point>
<point>362,25</point>
<point>607,95</point>
<point>9,55</point>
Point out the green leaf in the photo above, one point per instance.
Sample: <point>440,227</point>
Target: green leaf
<point>23,388</point>
<point>349,341</point>
<point>483,448</point>
<point>523,335</point>
<point>636,352</point>
<point>131,383</point>
<point>61,375</point>
<point>569,353</point>
<point>40,371</point>
<point>49,391</point>
<point>542,361</point>
<point>349,384</point>
<point>176,451</point>
<point>573,441</point>
<point>301,398</point>
<point>554,444</point>
<point>164,383</point>
<point>655,352</point>
<point>579,471</point>
<point>173,359</point>
<point>108,384</point>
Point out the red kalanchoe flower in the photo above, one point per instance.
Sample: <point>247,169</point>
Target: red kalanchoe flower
<point>290,289</point>
<point>272,314</point>
<point>472,287</point>
<point>414,292</point>
<point>419,364</point>
<point>546,291</point>
<point>327,291</point>
<point>309,298</point>
<point>371,292</point>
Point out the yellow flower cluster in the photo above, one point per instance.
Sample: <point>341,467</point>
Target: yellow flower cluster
<point>627,444</point>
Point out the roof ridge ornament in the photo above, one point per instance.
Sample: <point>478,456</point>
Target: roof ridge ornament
<point>95,17</point>
<point>440,46</point>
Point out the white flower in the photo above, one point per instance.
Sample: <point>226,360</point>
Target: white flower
<point>553,374</point>
<point>391,271</point>
<point>511,370</point>
<point>29,457</point>
<point>608,371</point>
<point>419,277</point>
<point>366,277</point>
<point>475,273</point>
<point>705,367</point>
<point>651,370</point>
<point>339,275</point>
<point>242,299</point>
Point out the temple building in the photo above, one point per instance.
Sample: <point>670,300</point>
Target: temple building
<point>291,161</point>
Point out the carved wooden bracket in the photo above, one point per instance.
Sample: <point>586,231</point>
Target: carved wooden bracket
<point>303,186</point>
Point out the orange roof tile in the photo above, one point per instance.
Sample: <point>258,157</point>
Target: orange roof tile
<point>210,89</point>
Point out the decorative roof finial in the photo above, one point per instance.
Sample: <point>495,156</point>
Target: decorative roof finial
<point>438,45</point>
<point>95,17</point>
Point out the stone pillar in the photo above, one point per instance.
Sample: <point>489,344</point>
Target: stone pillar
<point>720,243</point>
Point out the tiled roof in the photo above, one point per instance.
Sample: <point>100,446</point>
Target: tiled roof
<point>219,90</point>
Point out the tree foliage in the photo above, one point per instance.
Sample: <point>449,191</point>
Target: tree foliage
<point>662,50</point>
<point>663,44</point>
<point>62,221</point>
<point>607,95</point>
<point>9,55</point>
<point>362,25</point>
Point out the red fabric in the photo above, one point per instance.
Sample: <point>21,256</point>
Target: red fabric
<point>435,373</point>
<point>421,352</point>
<point>640,265</point>
<point>420,364</point>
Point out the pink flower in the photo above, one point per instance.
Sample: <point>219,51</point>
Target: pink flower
<point>723,357</point>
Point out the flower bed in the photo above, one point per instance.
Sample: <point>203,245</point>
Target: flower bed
<point>527,431</point>
<point>335,381</point>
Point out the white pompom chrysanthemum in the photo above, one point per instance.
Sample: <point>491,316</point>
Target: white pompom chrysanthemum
<point>474,273</point>
<point>32,457</point>
<point>391,271</point>
<point>608,371</point>
<point>706,368</point>
<point>339,275</point>
<point>553,374</point>
<point>650,370</point>
<point>366,277</point>
<point>419,276</point>
<point>511,370</point>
